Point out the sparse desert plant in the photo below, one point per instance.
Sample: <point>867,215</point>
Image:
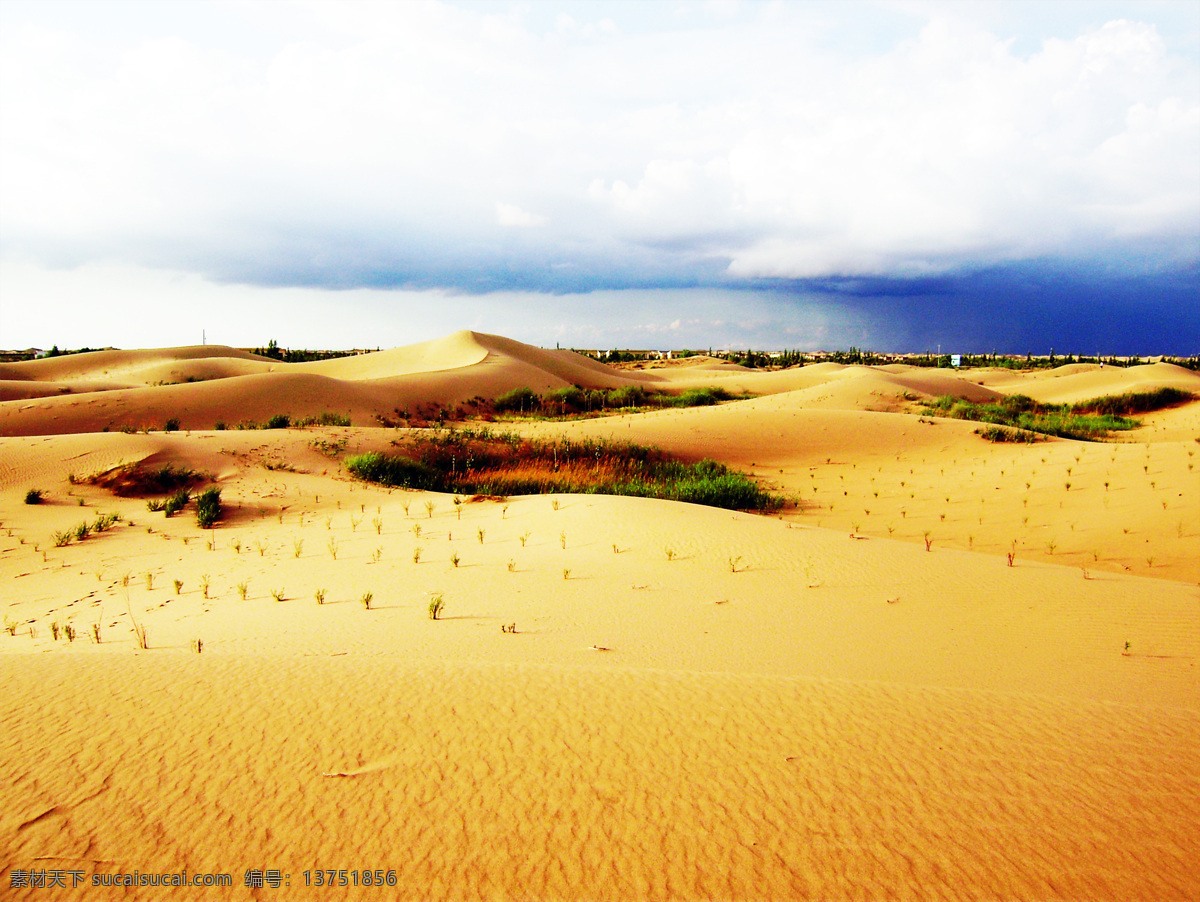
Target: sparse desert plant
<point>261,547</point>
<point>366,599</point>
<point>125,578</point>
<point>1126,651</point>
<point>236,545</point>
<point>141,635</point>
<point>376,555</point>
<point>429,508</point>
<point>436,605</point>
<point>616,550</point>
<point>10,626</point>
<point>178,585</point>
<point>82,531</point>
<point>243,588</point>
<point>1150,561</point>
<point>319,595</point>
<point>197,645</point>
<point>1051,545</point>
<point>208,507</point>
<point>562,539</point>
<point>480,533</point>
<point>504,511</point>
<point>508,627</point>
<point>96,632</point>
<point>354,523</point>
<point>69,632</point>
<point>416,555</point>
<point>670,552</point>
<point>512,566</point>
<point>405,504</point>
<point>277,594</point>
<point>457,505</point>
<point>172,425</point>
<point>62,538</point>
<point>525,538</point>
<point>566,573</point>
<point>554,503</point>
<point>416,530</point>
<point>377,522</point>
<point>149,581</point>
<point>34,496</point>
<point>735,562</point>
<point>928,540</point>
<point>205,583</point>
<point>297,547</point>
<point>454,558</point>
<point>332,545</point>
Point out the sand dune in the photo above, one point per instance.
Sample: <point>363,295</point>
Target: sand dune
<point>693,704</point>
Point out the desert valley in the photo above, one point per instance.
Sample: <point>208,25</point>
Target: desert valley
<point>935,667</point>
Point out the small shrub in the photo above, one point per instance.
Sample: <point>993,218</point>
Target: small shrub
<point>279,421</point>
<point>62,538</point>
<point>208,507</point>
<point>479,532</point>
<point>197,645</point>
<point>319,595</point>
<point>366,599</point>
<point>436,605</point>
<point>204,584</point>
<point>34,496</point>
<point>178,583</point>
<point>277,594</point>
<point>69,632</point>
<point>243,588</point>
<point>454,559</point>
<point>172,425</point>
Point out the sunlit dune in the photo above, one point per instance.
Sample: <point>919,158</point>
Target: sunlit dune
<point>946,668</point>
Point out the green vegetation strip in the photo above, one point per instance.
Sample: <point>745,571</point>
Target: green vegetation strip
<point>575,401</point>
<point>1088,420</point>
<point>478,461</point>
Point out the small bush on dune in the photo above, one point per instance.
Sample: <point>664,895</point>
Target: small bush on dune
<point>208,507</point>
<point>34,496</point>
<point>392,471</point>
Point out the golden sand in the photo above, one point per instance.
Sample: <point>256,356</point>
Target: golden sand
<point>694,703</point>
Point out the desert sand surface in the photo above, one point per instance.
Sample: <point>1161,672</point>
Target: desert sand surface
<point>860,697</point>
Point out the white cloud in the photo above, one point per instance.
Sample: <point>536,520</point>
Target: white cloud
<point>738,133</point>
<point>512,215</point>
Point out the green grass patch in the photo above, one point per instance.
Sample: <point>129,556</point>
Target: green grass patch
<point>574,401</point>
<point>1087,421</point>
<point>481,462</point>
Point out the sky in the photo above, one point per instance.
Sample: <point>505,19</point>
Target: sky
<point>979,176</point>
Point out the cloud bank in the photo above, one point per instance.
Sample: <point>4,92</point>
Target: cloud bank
<point>486,148</point>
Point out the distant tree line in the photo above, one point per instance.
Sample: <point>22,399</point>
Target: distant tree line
<point>288,355</point>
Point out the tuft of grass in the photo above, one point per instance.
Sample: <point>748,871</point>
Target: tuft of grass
<point>205,583</point>
<point>332,545</point>
<point>366,599</point>
<point>512,566</point>
<point>319,595</point>
<point>197,645</point>
<point>436,605</point>
<point>670,552</point>
<point>10,626</point>
<point>454,558</point>
<point>178,585</point>
<point>243,588</point>
<point>566,573</point>
<point>480,533</point>
<point>277,594</point>
<point>416,555</point>
<point>735,563</point>
<point>62,538</point>
<point>377,522</point>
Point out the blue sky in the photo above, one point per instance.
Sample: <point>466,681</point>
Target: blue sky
<point>894,175</point>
